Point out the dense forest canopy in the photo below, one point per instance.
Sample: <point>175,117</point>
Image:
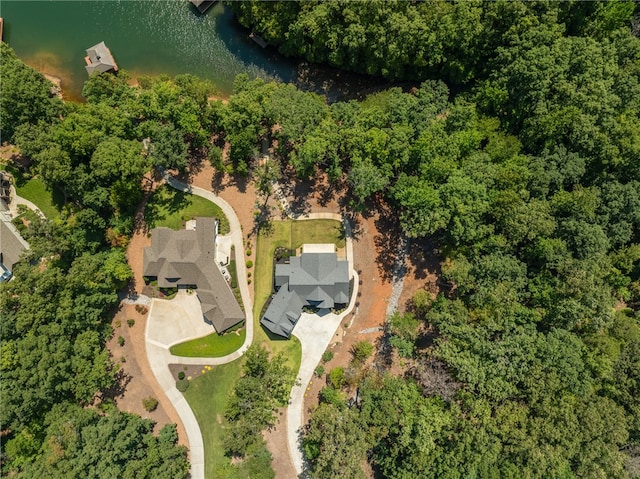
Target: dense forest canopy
<point>433,39</point>
<point>525,177</point>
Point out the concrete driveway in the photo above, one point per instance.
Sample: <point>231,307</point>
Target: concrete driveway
<point>169,324</point>
<point>177,320</point>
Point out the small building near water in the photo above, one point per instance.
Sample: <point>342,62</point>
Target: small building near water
<point>99,59</point>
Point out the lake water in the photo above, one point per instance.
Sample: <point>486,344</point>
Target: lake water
<point>145,37</point>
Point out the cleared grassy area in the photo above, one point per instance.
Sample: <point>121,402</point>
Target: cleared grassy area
<point>172,208</point>
<point>211,346</point>
<point>207,396</point>
<point>35,191</point>
<point>317,231</point>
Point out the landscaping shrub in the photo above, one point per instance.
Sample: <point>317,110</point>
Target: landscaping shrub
<point>182,385</point>
<point>118,323</point>
<point>361,351</point>
<point>131,322</point>
<point>404,347</point>
<point>319,371</point>
<point>150,404</point>
<point>249,263</point>
<point>327,356</point>
<point>249,252</point>
<point>336,377</point>
<point>181,375</point>
<point>120,340</point>
<point>331,395</point>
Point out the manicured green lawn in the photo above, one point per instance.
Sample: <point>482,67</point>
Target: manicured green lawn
<point>35,191</point>
<point>171,208</point>
<point>211,346</point>
<point>317,231</point>
<point>207,396</point>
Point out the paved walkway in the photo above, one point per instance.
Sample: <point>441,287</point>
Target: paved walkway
<point>315,335</point>
<point>157,344</point>
<point>19,200</point>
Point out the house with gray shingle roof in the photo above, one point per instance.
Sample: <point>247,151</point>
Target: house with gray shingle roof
<point>316,278</point>
<point>11,243</point>
<point>187,258</point>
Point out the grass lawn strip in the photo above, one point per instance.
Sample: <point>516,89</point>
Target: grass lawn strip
<point>317,231</point>
<point>171,208</point>
<point>207,396</point>
<point>211,346</point>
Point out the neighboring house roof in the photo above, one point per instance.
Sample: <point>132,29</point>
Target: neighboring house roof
<point>11,243</point>
<point>187,258</point>
<point>99,59</point>
<point>315,278</point>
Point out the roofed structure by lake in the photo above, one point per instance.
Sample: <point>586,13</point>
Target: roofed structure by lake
<point>187,258</point>
<point>203,5</point>
<point>99,59</point>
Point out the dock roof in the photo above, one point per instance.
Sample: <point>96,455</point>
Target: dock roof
<point>99,59</point>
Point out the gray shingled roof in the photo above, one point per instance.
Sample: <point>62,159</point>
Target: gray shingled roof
<point>101,59</point>
<point>187,258</point>
<point>11,243</point>
<point>314,279</point>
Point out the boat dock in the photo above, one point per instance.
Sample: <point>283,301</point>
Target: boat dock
<point>99,59</point>
<point>203,5</point>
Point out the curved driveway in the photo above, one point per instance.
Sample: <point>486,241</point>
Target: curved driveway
<point>315,334</point>
<point>19,200</point>
<point>158,352</point>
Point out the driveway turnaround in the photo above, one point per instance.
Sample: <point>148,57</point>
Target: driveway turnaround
<point>162,332</point>
<point>177,320</point>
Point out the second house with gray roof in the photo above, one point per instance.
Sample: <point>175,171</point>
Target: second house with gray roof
<point>316,278</point>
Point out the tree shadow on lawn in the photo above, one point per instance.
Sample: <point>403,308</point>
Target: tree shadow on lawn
<point>162,203</point>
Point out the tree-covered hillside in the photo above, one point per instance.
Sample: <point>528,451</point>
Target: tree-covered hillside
<point>455,41</point>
